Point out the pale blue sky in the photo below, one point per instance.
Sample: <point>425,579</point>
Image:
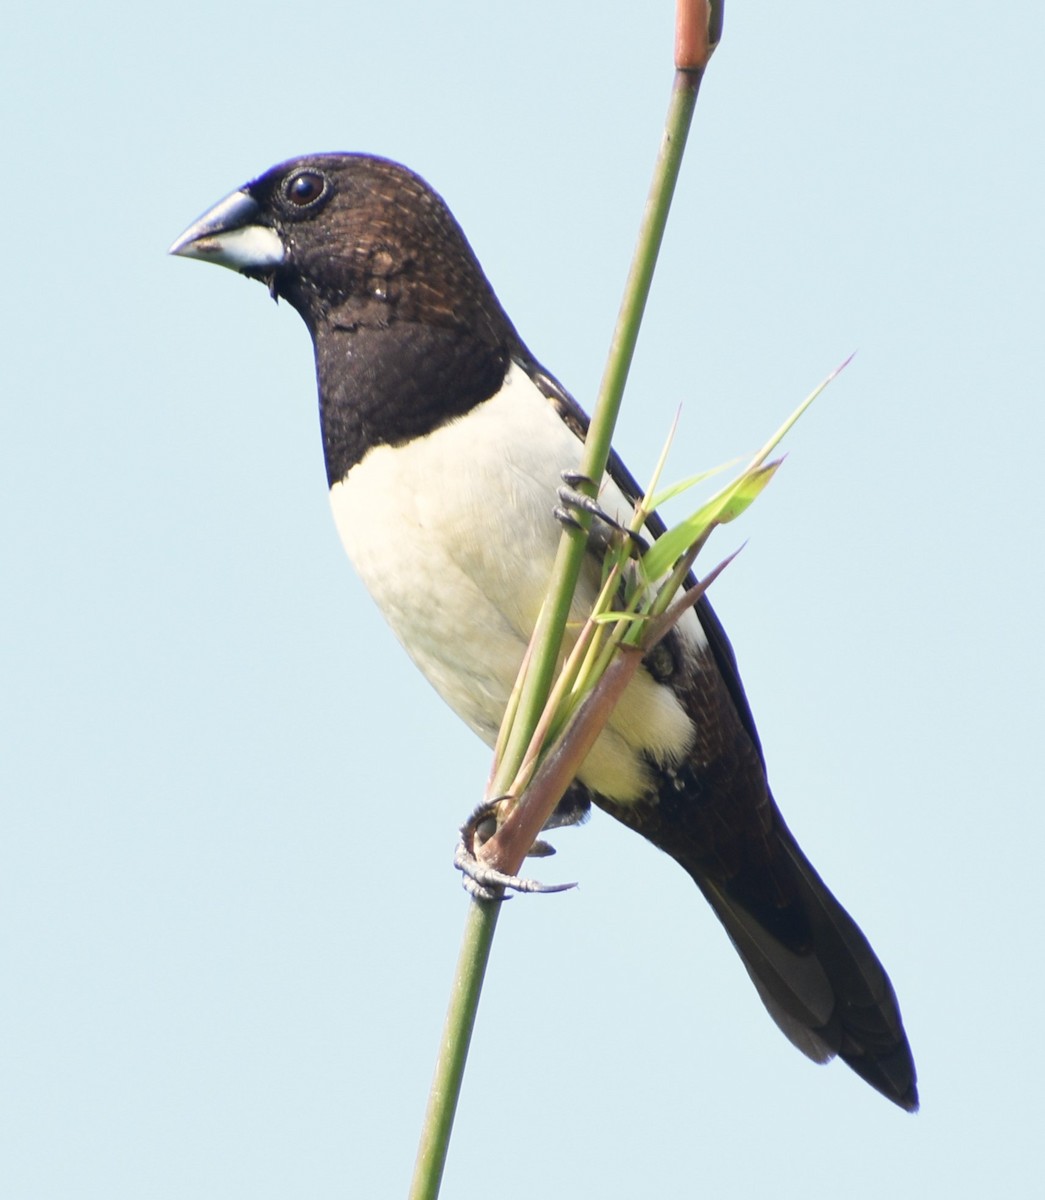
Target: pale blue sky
<point>227,911</point>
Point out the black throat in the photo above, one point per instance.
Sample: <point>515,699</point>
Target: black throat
<point>387,385</point>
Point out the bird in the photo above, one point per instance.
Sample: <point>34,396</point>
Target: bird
<point>444,439</point>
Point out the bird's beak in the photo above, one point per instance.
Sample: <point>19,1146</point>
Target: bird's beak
<point>229,234</point>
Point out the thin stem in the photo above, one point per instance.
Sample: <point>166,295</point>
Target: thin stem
<point>548,636</point>
<point>453,1049</point>
<point>547,642</point>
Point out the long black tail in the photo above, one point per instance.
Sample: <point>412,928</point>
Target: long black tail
<point>815,971</point>
<point>818,976</point>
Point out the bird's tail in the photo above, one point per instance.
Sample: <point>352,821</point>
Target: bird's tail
<point>826,989</point>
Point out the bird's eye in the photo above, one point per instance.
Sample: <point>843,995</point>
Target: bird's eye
<point>304,188</point>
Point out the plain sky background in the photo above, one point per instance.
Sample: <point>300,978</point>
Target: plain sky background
<point>228,915</point>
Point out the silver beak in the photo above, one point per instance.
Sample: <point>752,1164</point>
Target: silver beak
<point>229,235</point>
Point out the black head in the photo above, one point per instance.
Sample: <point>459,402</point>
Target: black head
<point>408,333</point>
<point>350,239</point>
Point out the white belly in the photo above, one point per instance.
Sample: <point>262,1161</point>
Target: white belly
<point>429,540</point>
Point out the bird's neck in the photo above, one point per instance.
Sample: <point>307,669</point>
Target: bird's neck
<point>389,384</point>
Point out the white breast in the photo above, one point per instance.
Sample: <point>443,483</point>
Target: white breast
<point>454,537</point>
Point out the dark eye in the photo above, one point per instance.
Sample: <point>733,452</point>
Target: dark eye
<point>304,188</point>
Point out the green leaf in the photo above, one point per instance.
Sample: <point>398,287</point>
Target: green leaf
<point>607,618</point>
<point>777,437</point>
<point>749,487</point>
<point>676,489</point>
<point>724,506</point>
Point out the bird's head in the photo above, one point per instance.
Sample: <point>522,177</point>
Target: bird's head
<point>346,238</point>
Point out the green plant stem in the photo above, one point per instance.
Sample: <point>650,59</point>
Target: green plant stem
<point>547,643</point>
<point>453,1049</point>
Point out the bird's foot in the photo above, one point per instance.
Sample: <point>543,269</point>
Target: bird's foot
<point>483,882</point>
<point>571,501</point>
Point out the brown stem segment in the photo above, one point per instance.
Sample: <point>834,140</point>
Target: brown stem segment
<point>698,30</point>
<point>508,847</point>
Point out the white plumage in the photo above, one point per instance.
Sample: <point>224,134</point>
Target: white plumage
<point>427,538</point>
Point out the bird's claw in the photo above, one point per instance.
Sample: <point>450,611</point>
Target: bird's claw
<point>573,501</point>
<point>483,882</point>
